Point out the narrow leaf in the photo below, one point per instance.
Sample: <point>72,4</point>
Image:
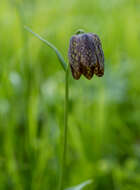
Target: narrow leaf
<point>59,56</point>
<point>80,186</point>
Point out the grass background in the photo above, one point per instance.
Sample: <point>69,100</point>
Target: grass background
<point>104,115</point>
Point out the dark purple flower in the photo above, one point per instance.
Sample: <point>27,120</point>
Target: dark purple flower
<point>86,55</point>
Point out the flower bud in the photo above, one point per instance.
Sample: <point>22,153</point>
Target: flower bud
<point>86,55</point>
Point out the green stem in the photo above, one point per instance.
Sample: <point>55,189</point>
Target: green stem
<point>61,183</point>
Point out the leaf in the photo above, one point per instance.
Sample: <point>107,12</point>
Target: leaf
<point>80,186</point>
<point>59,56</point>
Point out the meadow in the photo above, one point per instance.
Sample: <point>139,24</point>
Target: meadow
<point>104,113</point>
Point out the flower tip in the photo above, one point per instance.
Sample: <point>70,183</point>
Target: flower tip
<point>79,31</point>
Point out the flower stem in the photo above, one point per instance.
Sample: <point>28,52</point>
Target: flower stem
<point>61,182</point>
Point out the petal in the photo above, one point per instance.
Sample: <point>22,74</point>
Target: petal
<point>87,56</point>
<point>99,69</point>
<point>74,57</point>
<point>75,72</point>
<point>87,72</point>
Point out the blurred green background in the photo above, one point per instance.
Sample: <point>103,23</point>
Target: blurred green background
<point>104,113</point>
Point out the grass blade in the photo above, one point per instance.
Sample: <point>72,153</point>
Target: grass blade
<point>59,56</point>
<point>80,186</point>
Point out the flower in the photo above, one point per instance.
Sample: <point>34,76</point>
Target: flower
<point>86,55</point>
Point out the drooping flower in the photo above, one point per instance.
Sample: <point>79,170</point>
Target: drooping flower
<point>86,55</point>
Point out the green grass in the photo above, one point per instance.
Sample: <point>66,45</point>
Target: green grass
<point>104,122</point>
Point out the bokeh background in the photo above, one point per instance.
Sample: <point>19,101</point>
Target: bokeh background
<point>104,113</point>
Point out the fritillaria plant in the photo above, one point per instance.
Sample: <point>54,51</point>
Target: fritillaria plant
<point>86,55</point>
<point>86,58</point>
